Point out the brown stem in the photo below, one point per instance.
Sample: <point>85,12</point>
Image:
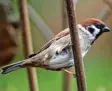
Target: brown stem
<point>109,3</point>
<point>66,76</point>
<point>80,75</point>
<point>27,43</point>
<point>105,14</point>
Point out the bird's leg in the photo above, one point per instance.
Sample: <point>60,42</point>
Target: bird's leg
<point>69,72</point>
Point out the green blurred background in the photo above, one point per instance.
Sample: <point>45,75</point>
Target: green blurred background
<point>98,61</point>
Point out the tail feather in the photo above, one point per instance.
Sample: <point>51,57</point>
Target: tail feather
<point>11,67</point>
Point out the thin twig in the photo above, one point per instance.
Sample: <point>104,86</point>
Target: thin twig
<point>40,23</point>
<point>109,3</point>
<point>106,11</point>
<point>80,75</point>
<point>66,76</point>
<point>105,14</point>
<point>27,42</point>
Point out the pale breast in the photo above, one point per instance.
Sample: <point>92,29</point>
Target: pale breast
<point>85,41</point>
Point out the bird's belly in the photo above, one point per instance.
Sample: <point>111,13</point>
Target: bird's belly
<point>62,60</point>
<point>60,66</point>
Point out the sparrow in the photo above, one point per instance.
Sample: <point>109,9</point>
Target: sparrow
<point>57,54</point>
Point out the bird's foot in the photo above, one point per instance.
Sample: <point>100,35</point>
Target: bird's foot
<point>69,72</point>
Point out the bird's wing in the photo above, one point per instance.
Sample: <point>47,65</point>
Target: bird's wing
<point>58,36</point>
<point>44,47</point>
<point>48,44</point>
<point>61,57</point>
<point>63,47</point>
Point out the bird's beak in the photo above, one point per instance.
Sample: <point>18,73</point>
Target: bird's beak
<point>106,29</point>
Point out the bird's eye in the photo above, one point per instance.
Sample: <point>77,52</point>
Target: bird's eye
<point>98,25</point>
<point>91,30</point>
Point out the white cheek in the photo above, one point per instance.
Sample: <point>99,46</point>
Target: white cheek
<point>96,31</point>
<point>92,38</point>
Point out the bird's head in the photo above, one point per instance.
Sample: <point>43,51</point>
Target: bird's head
<point>95,27</point>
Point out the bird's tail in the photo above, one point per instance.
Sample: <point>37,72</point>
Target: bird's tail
<point>12,67</point>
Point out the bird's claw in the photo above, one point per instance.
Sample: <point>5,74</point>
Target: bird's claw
<point>74,75</point>
<point>69,72</point>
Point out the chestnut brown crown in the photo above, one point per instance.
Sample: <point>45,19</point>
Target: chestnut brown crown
<point>95,27</point>
<point>97,23</point>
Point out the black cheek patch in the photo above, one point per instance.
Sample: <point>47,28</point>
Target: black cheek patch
<point>91,30</point>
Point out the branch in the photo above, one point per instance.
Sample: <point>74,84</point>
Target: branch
<point>80,75</point>
<point>66,77</point>
<point>109,3</point>
<point>27,42</point>
<point>105,14</point>
<point>39,22</point>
